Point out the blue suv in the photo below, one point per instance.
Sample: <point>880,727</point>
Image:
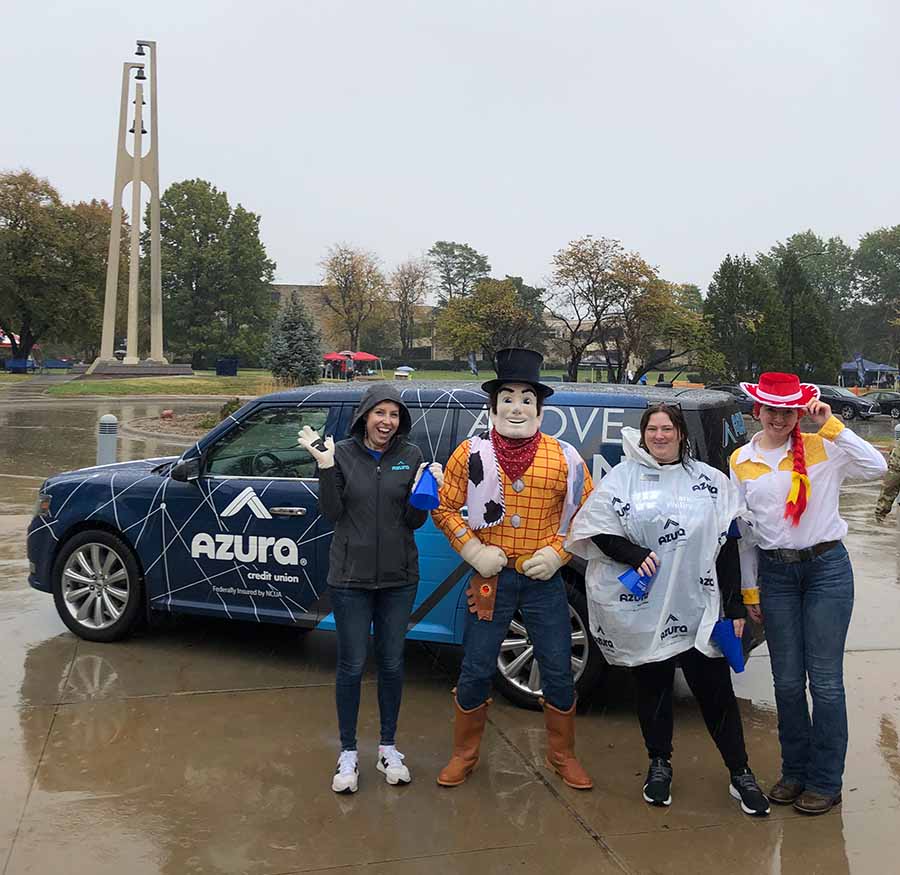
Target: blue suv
<point>232,528</point>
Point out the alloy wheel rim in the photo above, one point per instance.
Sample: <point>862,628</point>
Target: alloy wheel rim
<point>95,586</point>
<point>518,665</point>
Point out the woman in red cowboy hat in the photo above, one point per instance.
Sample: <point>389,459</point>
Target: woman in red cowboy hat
<point>803,584</point>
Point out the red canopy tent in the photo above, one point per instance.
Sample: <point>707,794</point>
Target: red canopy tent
<point>346,354</point>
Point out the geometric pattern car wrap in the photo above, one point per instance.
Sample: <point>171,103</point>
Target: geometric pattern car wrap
<point>251,544</point>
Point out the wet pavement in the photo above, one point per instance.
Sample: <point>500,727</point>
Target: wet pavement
<point>201,746</point>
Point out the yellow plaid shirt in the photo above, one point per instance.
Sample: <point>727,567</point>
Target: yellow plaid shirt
<point>539,505</point>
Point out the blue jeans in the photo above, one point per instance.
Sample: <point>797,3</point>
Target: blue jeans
<point>355,610</point>
<point>545,612</point>
<point>806,610</point>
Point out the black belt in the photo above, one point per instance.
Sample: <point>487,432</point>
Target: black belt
<point>804,555</point>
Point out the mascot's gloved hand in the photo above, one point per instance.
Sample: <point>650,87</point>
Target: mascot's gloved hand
<point>437,472</point>
<point>485,559</point>
<point>321,450</point>
<point>542,564</point>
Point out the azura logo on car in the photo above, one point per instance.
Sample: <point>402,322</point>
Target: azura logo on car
<point>244,548</point>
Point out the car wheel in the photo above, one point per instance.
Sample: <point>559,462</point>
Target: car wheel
<point>848,412</point>
<point>97,586</point>
<point>895,413</point>
<point>518,674</point>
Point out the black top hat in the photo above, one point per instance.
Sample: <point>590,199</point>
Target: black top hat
<point>518,366</point>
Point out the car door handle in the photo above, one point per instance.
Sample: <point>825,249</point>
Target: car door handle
<point>287,511</point>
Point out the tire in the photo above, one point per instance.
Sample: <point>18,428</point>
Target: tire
<point>522,686</point>
<point>895,412</point>
<point>97,608</point>
<point>848,412</point>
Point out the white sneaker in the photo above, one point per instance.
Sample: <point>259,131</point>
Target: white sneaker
<point>390,761</point>
<point>346,776</point>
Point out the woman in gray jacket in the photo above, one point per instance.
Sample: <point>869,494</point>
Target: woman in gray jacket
<point>364,486</point>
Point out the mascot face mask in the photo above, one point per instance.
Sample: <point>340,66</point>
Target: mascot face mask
<point>517,413</point>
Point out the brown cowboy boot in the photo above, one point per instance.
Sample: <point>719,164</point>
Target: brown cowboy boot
<point>467,731</point>
<point>561,747</point>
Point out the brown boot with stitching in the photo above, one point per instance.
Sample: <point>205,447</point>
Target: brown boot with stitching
<point>810,802</point>
<point>467,732</point>
<point>785,791</point>
<point>561,747</point>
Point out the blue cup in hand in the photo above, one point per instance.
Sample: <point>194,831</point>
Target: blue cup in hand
<point>730,645</point>
<point>425,495</point>
<point>635,582</point>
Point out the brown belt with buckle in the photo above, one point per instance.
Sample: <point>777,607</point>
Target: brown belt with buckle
<point>804,555</point>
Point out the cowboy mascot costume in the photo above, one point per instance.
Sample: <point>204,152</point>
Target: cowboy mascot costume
<point>522,489</point>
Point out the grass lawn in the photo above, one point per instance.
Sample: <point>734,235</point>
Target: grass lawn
<point>6,377</point>
<point>248,382</point>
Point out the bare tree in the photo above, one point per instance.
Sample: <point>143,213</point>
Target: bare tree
<point>583,293</point>
<point>354,289</point>
<point>407,290</point>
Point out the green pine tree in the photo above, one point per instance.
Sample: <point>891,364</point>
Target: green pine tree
<point>295,352</point>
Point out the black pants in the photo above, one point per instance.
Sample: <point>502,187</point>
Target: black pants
<point>710,682</point>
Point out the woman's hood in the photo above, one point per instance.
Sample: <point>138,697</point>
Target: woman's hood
<point>374,395</point>
<point>631,438</point>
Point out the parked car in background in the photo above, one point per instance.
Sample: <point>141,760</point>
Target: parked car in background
<point>887,401</point>
<point>232,527</point>
<point>744,401</point>
<point>847,405</point>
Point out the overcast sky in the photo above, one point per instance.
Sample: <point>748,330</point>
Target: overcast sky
<point>687,130</point>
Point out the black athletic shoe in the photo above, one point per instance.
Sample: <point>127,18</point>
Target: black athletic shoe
<point>743,787</point>
<point>658,786</point>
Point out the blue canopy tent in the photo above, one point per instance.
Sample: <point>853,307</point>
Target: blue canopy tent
<point>862,372</point>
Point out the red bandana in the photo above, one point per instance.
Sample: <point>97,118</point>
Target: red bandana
<point>515,455</point>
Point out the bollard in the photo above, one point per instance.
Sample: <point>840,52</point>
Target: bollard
<point>107,439</point>
<point>897,432</point>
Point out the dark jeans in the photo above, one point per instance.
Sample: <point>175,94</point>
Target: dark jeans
<point>806,610</point>
<point>710,682</point>
<point>355,610</point>
<point>545,612</point>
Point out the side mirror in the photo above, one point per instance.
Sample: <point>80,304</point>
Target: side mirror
<point>186,471</point>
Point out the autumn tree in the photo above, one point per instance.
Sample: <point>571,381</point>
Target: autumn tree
<point>407,289</point>
<point>355,289</point>
<point>582,294</point>
<point>52,264</point>
<point>457,268</point>
<point>495,315</point>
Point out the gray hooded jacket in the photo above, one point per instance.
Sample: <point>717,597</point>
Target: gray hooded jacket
<point>368,501</point>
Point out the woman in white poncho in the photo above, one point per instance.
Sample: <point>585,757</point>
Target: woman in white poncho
<point>663,513</point>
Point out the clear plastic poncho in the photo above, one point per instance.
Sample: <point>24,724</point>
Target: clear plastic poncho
<point>683,514</point>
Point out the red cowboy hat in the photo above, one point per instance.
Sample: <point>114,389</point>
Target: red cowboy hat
<point>781,390</point>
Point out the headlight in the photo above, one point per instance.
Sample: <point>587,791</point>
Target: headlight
<point>42,504</point>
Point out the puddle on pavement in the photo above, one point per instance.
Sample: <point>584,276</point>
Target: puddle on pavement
<point>38,441</point>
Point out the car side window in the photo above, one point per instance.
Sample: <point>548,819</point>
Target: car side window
<point>432,432</point>
<point>265,444</point>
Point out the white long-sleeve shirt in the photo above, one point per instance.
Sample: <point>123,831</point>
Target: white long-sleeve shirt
<point>832,455</point>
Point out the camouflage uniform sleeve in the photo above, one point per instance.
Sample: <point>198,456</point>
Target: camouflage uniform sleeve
<point>891,485</point>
